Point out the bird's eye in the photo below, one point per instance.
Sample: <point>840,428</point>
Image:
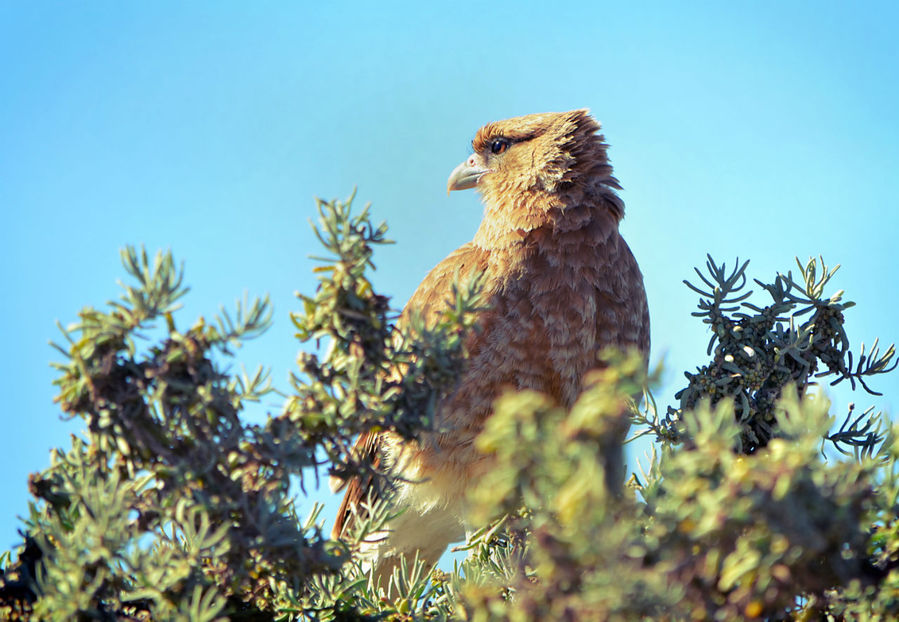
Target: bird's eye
<point>499,145</point>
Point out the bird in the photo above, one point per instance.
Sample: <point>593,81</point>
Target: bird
<point>559,285</point>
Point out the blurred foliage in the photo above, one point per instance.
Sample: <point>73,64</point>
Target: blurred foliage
<point>172,507</point>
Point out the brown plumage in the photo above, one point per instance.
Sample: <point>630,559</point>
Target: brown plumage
<point>561,284</point>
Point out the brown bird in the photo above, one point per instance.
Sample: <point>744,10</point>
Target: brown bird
<point>561,284</point>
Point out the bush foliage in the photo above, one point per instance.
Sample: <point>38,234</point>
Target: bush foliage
<point>171,507</point>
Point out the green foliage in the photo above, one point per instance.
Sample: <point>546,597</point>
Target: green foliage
<point>758,351</point>
<point>171,504</point>
<point>746,535</point>
<point>371,376</point>
<point>171,507</point>
<point>581,556</point>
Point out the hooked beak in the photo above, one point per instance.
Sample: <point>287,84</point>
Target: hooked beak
<point>466,175</point>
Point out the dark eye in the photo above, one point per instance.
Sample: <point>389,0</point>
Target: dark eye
<point>499,145</point>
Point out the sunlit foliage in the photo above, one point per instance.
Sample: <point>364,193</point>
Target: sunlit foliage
<point>170,506</point>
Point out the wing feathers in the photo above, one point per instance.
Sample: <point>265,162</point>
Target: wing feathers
<point>358,489</point>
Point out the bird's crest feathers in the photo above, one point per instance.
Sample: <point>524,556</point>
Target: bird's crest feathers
<point>534,170</point>
<point>559,124</point>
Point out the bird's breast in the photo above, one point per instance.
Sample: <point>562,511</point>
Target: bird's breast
<point>550,326</point>
<point>553,304</point>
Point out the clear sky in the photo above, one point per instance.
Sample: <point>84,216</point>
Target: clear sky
<point>762,130</point>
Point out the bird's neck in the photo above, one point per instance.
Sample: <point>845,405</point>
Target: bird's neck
<point>508,221</point>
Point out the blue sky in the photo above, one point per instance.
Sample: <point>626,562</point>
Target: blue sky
<point>761,130</point>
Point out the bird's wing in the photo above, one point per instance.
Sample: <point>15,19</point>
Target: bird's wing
<point>633,326</point>
<point>434,292</point>
<point>357,488</point>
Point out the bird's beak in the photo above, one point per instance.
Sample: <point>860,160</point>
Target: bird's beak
<point>466,175</point>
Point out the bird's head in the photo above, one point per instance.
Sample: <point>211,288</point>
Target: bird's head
<point>539,158</point>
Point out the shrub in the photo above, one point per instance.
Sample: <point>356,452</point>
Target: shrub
<point>171,507</point>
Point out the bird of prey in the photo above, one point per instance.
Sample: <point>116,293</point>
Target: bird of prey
<point>560,285</point>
